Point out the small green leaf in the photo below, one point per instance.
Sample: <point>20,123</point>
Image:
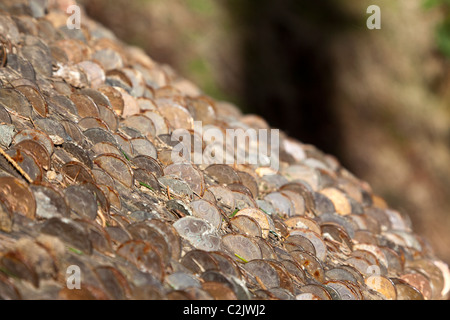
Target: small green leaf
<point>75,250</point>
<point>146,185</point>
<point>234,213</point>
<point>240,257</point>
<point>125,155</point>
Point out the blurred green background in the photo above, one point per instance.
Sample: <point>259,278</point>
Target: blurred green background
<point>377,99</point>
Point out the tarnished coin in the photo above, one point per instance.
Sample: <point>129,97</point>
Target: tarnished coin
<point>281,203</point>
<point>86,107</point>
<point>207,211</point>
<point>200,233</point>
<point>176,115</point>
<point>339,199</point>
<point>259,216</point>
<point>17,196</point>
<point>188,173</point>
<point>33,134</point>
<point>38,151</point>
<point>81,201</point>
<point>406,291</point>
<point>316,290</point>
<point>223,174</point>
<point>142,146</point>
<point>50,202</point>
<point>345,292</point>
<point>70,232</point>
<point>219,290</point>
<point>92,122</point>
<point>241,248</point>
<point>96,135</point>
<point>199,261</point>
<point>15,101</point>
<point>316,240</point>
<point>266,276</point>
<point>115,98</point>
<point>224,197</point>
<point>74,172</point>
<point>383,285</point>
<point>28,162</point>
<point>116,167</point>
<point>148,163</point>
<point>144,256</point>
<point>299,242</point>
<point>246,225</point>
<point>300,222</point>
<point>160,123</point>
<point>36,99</point>
<point>310,263</point>
<point>420,282</point>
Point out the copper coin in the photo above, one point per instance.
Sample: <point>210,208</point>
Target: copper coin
<point>75,172</point>
<point>116,167</point>
<point>420,282</point>
<point>17,196</point>
<point>38,151</point>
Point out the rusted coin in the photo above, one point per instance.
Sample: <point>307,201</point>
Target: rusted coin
<point>310,263</point>
<point>33,134</point>
<point>15,101</point>
<point>28,162</point>
<point>38,151</point>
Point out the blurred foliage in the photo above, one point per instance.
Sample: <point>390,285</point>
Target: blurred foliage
<point>443,28</point>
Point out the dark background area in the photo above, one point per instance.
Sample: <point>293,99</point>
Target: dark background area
<point>377,99</point>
